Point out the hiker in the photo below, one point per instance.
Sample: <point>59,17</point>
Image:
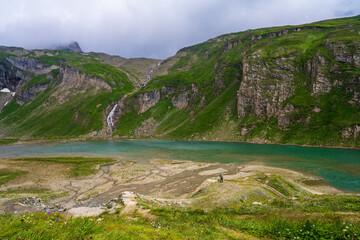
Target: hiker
<point>221,178</point>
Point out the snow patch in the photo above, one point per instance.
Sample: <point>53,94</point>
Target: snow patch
<point>5,90</point>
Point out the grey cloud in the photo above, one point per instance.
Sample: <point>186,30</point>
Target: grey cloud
<point>157,28</point>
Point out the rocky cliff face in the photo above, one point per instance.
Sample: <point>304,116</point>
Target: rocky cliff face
<point>14,75</point>
<point>30,93</point>
<point>343,53</point>
<point>8,77</point>
<point>180,101</point>
<point>180,98</point>
<point>318,70</point>
<point>72,80</point>
<point>30,65</point>
<point>265,86</point>
<point>349,56</point>
<point>351,132</point>
<point>148,99</point>
<point>285,115</point>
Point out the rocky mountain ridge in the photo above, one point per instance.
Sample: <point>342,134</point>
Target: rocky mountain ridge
<point>292,84</point>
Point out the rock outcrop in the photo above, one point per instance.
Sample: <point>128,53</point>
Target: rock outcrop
<point>180,97</point>
<point>351,132</point>
<point>148,99</point>
<point>317,68</point>
<point>265,86</point>
<point>343,54</point>
<point>167,91</point>
<point>74,80</point>
<point>30,65</point>
<point>180,101</point>
<point>284,115</point>
<point>30,93</point>
<point>8,77</point>
<point>147,128</point>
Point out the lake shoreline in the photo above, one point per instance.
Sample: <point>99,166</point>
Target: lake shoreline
<point>339,167</point>
<point>178,140</point>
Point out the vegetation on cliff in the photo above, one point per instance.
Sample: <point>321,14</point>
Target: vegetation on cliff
<point>291,84</point>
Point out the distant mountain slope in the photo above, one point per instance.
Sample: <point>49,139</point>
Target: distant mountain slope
<point>291,84</point>
<point>71,47</point>
<point>57,93</point>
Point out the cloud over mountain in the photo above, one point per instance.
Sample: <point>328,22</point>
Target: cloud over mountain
<point>157,29</point>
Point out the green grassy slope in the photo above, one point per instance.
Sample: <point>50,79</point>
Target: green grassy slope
<point>211,112</point>
<point>81,112</point>
<point>210,76</point>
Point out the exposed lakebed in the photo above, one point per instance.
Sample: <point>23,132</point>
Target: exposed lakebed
<point>338,167</point>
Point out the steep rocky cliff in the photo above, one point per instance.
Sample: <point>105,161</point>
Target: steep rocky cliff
<point>30,65</point>
<point>8,78</point>
<point>265,85</point>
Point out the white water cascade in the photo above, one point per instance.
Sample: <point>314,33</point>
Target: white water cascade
<point>109,118</point>
<point>148,76</point>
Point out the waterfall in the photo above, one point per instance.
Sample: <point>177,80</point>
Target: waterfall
<point>109,118</point>
<point>148,76</point>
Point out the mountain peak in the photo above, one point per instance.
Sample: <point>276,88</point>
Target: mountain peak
<point>71,47</point>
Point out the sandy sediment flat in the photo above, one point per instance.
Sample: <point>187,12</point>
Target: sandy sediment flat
<point>182,183</point>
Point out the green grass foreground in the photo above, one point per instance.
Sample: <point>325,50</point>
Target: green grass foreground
<point>315,218</point>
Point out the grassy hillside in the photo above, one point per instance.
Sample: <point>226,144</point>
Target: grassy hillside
<point>81,111</point>
<point>216,69</point>
<point>290,84</point>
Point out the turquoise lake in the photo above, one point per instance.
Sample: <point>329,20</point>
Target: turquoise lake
<point>338,167</point>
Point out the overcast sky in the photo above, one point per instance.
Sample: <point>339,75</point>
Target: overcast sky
<point>151,28</point>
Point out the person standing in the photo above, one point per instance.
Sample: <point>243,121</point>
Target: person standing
<point>221,178</point>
